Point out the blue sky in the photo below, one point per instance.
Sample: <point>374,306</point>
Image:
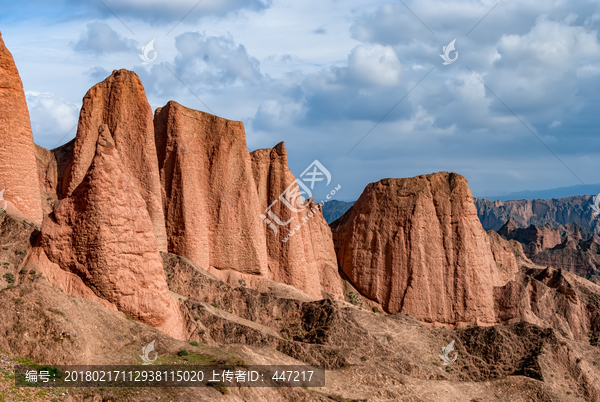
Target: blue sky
<point>321,75</point>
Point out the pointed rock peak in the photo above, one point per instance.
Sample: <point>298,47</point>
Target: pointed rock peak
<point>280,149</point>
<point>119,103</point>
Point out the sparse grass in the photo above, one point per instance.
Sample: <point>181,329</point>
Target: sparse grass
<point>194,343</point>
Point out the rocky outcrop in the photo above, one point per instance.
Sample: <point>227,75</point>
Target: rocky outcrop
<point>211,204</point>
<point>416,246</point>
<point>581,257</point>
<point>103,234</point>
<point>300,253</point>
<point>494,214</point>
<point>534,239</point>
<point>120,102</point>
<point>18,175</point>
<point>215,193</point>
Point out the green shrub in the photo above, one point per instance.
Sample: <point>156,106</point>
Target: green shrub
<point>10,278</point>
<point>194,343</point>
<point>183,352</point>
<point>214,304</point>
<point>376,309</point>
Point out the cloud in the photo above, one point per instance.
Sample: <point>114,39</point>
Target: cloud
<point>100,38</point>
<point>51,117</point>
<point>171,12</point>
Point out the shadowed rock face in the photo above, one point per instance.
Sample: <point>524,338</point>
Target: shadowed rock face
<point>210,201</point>
<point>18,174</point>
<point>306,260</point>
<point>416,246</point>
<point>103,233</point>
<point>120,102</point>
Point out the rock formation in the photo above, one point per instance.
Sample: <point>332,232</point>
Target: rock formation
<point>120,102</point>
<point>103,234</point>
<point>416,246</point>
<point>18,175</point>
<point>305,260</point>
<point>561,247</point>
<point>494,214</point>
<point>211,204</point>
<point>534,239</point>
<point>215,193</point>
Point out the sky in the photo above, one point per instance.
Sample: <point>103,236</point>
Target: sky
<point>358,85</point>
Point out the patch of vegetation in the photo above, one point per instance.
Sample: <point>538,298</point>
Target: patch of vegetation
<point>595,364</point>
<point>215,304</point>
<point>23,271</point>
<point>278,319</point>
<point>19,252</point>
<point>354,298</point>
<point>242,282</point>
<point>32,272</point>
<point>194,343</point>
<point>10,278</point>
<point>182,353</point>
<point>376,310</point>
<point>5,248</point>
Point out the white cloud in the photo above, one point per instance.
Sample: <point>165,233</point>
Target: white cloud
<point>374,65</point>
<point>51,117</point>
<point>100,38</point>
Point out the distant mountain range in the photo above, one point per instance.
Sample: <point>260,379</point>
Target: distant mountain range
<point>560,192</point>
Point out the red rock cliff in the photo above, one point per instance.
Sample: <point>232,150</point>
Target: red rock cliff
<point>210,200</point>
<point>120,102</point>
<point>307,259</point>
<point>103,233</point>
<point>18,170</point>
<point>416,246</point>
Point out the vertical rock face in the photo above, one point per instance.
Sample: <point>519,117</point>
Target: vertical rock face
<point>18,171</point>
<point>211,205</point>
<point>307,259</point>
<point>215,192</point>
<point>120,103</point>
<point>416,246</point>
<point>103,233</point>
